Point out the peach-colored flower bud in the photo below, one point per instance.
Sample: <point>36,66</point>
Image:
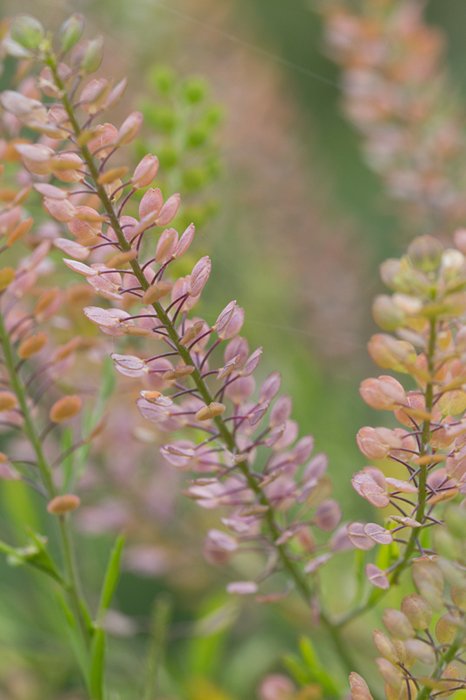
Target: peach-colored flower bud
<point>385,646</point>
<point>112,177</point>
<point>8,400</point>
<point>156,292</point>
<point>276,687</point>
<point>9,219</point>
<point>392,675</point>
<point>151,203</point>
<point>166,246</point>
<point>36,157</point>
<point>252,362</point>
<point>130,128</point>
<point>65,167</point>
<point>104,140</point>
<point>397,624</point>
<point>94,95</point>
<point>116,94</point>
<point>389,353</point>
<point>230,321</point>
<point>32,345</point>
<point>386,313</point>
<point>359,688</point>
<point>86,223</point>
<point>383,394</point>
<point>169,210</point>
<point>181,289</point>
<point>7,275</point>
<point>46,300</point>
<point>47,81</point>
<point>60,505</point>
<point>185,241</point>
<point>145,171</point>
<point>60,209</point>
<point>25,108</point>
<point>72,248</point>
<point>178,372</point>
<point>418,611</point>
<point>200,275</point>
<point>371,444</point>
<point>21,230</point>
<point>91,56</point>
<point>65,408</point>
<point>211,411</point>
<point>270,388</point>
<point>237,346</point>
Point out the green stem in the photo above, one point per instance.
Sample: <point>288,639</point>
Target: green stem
<point>442,663</point>
<point>73,584</point>
<point>227,438</point>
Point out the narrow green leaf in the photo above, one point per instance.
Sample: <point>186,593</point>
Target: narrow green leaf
<point>74,635</point>
<point>297,669</point>
<point>160,619</point>
<point>96,675</point>
<point>111,576</point>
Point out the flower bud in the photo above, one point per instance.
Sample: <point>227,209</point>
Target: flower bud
<point>397,624</point>
<point>116,94</point>
<point>392,273</point>
<point>65,167</point>
<point>389,353</point>
<point>185,241</point>
<point>145,171</point>
<point>421,651</point>
<point>60,209</point>
<point>63,504</point>
<point>276,687</point>
<point>386,313</point>
<point>32,345</point>
<point>218,547</point>
<point>230,322</point>
<point>359,688</point>
<point>71,31</point>
<point>371,444</point>
<point>328,515</point>
<point>93,96</point>
<point>166,246</point>
<point>86,223</point>
<point>447,627</point>
<point>27,31</point>
<point>104,139</point>
<point>390,673</point>
<point>384,646</point>
<point>8,400</point>
<point>151,203</point>
<point>200,275</point>
<point>65,408</point>
<point>130,128</point>
<point>211,411</point>
<point>270,387</point>
<point>92,55</point>
<point>417,610</point>
<point>169,210</point>
<point>425,253</point>
<point>36,157</point>
<point>383,394</point>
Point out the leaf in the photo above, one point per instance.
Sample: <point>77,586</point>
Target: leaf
<point>159,625</point>
<point>111,576</point>
<point>96,673</point>
<point>73,634</point>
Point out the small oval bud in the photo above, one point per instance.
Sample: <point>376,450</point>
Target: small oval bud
<point>8,400</point>
<point>63,504</point>
<point>145,171</point>
<point>32,345</point>
<point>27,31</point>
<point>71,31</point>
<point>397,624</point>
<point>92,56</point>
<point>384,646</point>
<point>425,253</point>
<point>65,408</point>
<point>211,411</point>
<point>386,313</point>
<point>359,688</point>
<point>417,610</point>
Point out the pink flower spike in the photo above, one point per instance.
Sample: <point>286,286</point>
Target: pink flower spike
<point>60,209</point>
<point>72,248</point>
<point>130,128</point>
<point>80,268</point>
<point>169,210</point>
<point>242,587</point>
<point>185,241</point>
<point>200,275</point>
<point>151,203</point>
<point>145,171</point>
<point>166,246</point>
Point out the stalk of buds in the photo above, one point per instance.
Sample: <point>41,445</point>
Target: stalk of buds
<point>399,97</point>
<point>426,525</point>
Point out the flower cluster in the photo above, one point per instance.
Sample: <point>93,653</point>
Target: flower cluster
<point>398,96</point>
<point>425,311</point>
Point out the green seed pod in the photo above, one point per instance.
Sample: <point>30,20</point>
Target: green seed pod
<point>71,31</point>
<point>425,253</point>
<point>417,610</point>
<point>384,646</point>
<point>386,313</point>
<point>92,57</point>
<point>27,31</point>
<point>397,623</point>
